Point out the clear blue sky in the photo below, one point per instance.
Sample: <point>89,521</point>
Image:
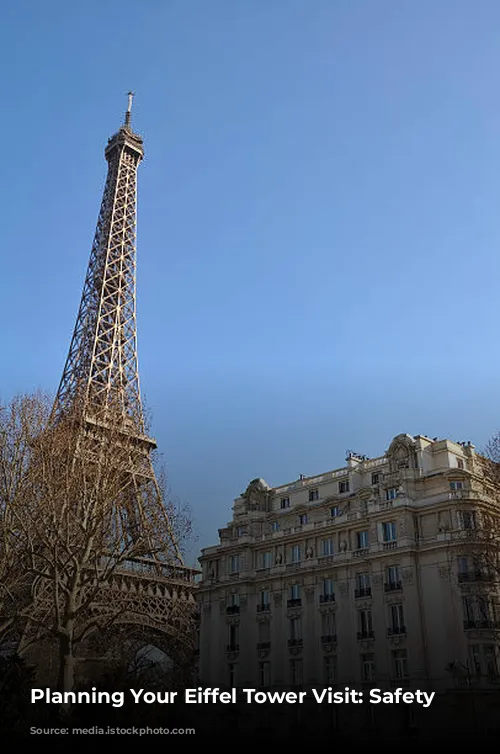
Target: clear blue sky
<point>319,221</point>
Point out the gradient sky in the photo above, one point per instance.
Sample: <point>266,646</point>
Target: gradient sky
<point>319,226</point>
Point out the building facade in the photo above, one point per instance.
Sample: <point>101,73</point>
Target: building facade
<point>372,574</point>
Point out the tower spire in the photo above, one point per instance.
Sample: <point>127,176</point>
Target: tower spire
<point>130,96</point>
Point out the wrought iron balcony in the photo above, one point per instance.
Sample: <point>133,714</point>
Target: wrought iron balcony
<point>396,631</point>
<point>232,609</point>
<point>232,647</point>
<point>328,638</point>
<point>366,634</point>
<point>294,642</point>
<point>264,607</point>
<point>326,598</point>
<point>365,592</point>
<point>263,645</point>
<point>482,624</point>
<point>468,576</point>
<point>294,603</point>
<point>393,586</point>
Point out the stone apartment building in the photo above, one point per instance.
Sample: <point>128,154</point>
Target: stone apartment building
<point>368,575</point>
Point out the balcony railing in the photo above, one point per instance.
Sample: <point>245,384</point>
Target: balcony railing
<point>232,609</point>
<point>294,642</point>
<point>396,631</point>
<point>232,647</point>
<point>361,552</point>
<point>468,576</point>
<point>364,592</point>
<point>264,607</point>
<point>393,586</point>
<point>389,545</point>
<point>481,624</point>
<point>263,645</point>
<point>328,638</point>
<point>297,602</point>
<point>326,598</point>
<point>366,634</point>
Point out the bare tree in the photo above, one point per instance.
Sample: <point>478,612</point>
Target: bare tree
<point>87,508</point>
<point>21,422</point>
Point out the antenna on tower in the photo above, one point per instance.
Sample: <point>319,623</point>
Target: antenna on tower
<point>129,108</point>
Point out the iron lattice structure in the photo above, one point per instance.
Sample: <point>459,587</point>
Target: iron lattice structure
<point>100,385</point>
<point>101,370</point>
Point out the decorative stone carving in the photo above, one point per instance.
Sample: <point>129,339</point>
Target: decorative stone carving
<point>257,496</point>
<point>309,592</point>
<point>279,558</point>
<point>295,650</point>
<point>243,602</point>
<point>309,552</point>
<point>232,656</point>
<point>407,575</point>
<point>363,604</point>
<point>263,617</point>
<point>263,653</point>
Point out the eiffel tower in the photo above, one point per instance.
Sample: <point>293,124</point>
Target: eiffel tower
<point>100,385</point>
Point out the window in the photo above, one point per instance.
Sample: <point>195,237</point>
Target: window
<point>389,531</point>
<point>397,621</point>
<point>265,601</point>
<point>266,559</point>
<point>240,531</point>
<point>460,463</point>
<point>234,599</point>
<point>391,493</point>
<point>295,592</point>
<point>375,478</point>
<point>328,626</point>
<point>231,674</point>
<point>303,519</point>
<point>328,591</point>
<point>490,656</point>
<point>466,520</point>
<point>234,637</point>
<point>275,526</point>
<point>365,623</point>
<point>363,588</point>
<point>295,630</point>
<point>313,495</point>
<point>264,632</point>
<point>296,554</point>
<point>330,669</point>
<point>264,674</point>
<point>296,672</point>
<point>362,539</point>
<point>392,578</point>
<point>475,658</point>
<point>468,608</point>
<point>368,667</point>
<point>463,565</point>
<point>284,503</point>
<point>400,663</point>
<point>344,486</point>
<point>334,512</point>
<point>328,547</point>
<point>234,564</point>
<point>455,486</point>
